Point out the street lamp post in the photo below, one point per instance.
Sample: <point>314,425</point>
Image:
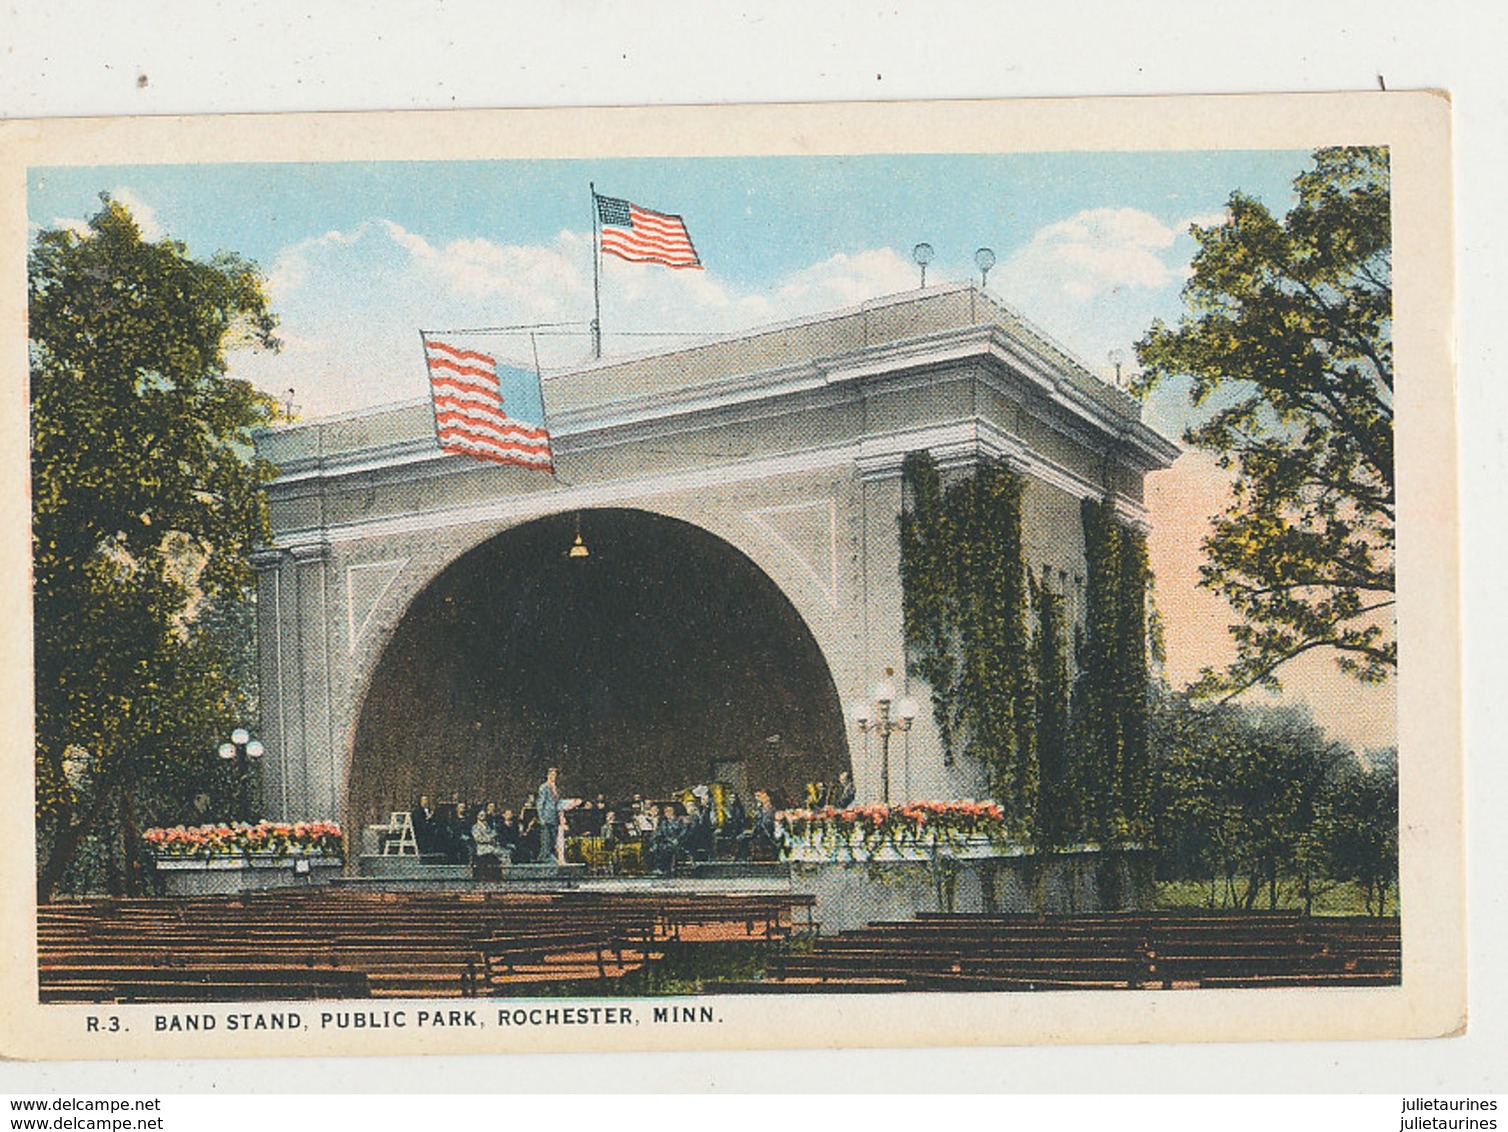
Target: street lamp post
<point>878,718</point>
<point>244,746</point>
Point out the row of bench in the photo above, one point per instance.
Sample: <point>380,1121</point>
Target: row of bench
<point>338,943</point>
<point>940,951</point>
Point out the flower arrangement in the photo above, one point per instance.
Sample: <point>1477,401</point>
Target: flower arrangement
<point>278,839</point>
<point>907,825</point>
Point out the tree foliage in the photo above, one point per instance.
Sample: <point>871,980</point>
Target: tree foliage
<point>1259,803</point>
<point>1360,841</point>
<point>1287,336</point>
<point>145,503</point>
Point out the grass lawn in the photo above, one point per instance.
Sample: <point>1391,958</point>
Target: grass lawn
<point>1330,898</point>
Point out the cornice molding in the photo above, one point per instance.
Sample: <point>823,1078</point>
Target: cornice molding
<point>1008,367</point>
<point>268,557</point>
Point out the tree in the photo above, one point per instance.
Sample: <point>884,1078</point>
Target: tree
<point>1287,334</point>
<point>1362,820</point>
<point>145,503</point>
<point>1245,799</point>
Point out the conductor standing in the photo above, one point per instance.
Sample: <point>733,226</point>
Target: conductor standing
<point>548,805</point>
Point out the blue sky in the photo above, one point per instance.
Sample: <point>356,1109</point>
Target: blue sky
<point>362,255</point>
<point>754,218</point>
<point>1092,247</point>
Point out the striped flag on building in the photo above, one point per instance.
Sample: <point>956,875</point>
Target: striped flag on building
<point>485,410</point>
<point>641,235</point>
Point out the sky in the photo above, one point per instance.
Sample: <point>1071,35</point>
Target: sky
<point>1091,247</point>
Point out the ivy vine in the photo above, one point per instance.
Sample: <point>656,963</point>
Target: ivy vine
<point>1110,694</point>
<point>1065,752</point>
<point>1057,813</point>
<point>964,604</point>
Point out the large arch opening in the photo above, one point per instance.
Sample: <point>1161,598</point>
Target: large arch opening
<point>664,659</point>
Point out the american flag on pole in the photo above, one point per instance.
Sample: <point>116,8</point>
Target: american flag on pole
<point>485,410</point>
<point>641,235</point>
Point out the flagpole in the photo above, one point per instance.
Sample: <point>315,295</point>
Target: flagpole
<point>540,375</point>
<point>596,280</point>
<point>429,374</point>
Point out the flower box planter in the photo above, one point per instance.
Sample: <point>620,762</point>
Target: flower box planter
<point>906,831</point>
<point>239,857</point>
<point>227,873</point>
<point>856,849</point>
<point>889,862</point>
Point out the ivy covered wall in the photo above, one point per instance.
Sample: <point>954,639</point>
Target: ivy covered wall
<point>1059,729</point>
<point>1110,695</point>
<point>964,609</point>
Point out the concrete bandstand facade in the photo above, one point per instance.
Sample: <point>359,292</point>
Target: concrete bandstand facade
<point>766,464</point>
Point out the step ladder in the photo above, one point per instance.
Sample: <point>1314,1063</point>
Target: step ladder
<point>400,840</point>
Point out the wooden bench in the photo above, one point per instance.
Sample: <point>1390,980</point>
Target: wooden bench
<point>503,955</point>
<point>962,951</point>
<point>221,984</point>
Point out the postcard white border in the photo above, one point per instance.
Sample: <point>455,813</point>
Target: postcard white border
<point>1416,128</point>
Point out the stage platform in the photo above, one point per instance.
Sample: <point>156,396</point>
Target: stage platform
<point>371,866</point>
<point>408,874</point>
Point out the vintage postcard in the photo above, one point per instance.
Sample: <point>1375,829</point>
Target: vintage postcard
<point>746,576</point>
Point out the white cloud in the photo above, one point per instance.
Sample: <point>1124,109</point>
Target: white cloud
<point>1093,252</point>
<point>142,212</point>
<point>843,280</point>
<point>352,301</point>
<point>1096,279</point>
<point>351,304</point>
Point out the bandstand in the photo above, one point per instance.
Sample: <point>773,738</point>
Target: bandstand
<point>423,627</point>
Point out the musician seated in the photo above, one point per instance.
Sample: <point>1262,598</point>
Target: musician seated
<point>489,814</point>
<point>426,822</point>
<point>487,854</point>
<point>508,833</point>
<point>665,842</point>
<point>735,820</point>
<point>697,833</point>
<point>460,851</point>
<point>762,839</point>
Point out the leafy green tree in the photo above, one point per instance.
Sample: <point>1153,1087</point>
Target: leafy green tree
<point>1287,336</point>
<point>145,503</point>
<point>1362,825</point>
<point>1197,825</point>
<point>1244,799</point>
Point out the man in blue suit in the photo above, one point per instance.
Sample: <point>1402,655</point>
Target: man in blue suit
<point>547,803</point>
